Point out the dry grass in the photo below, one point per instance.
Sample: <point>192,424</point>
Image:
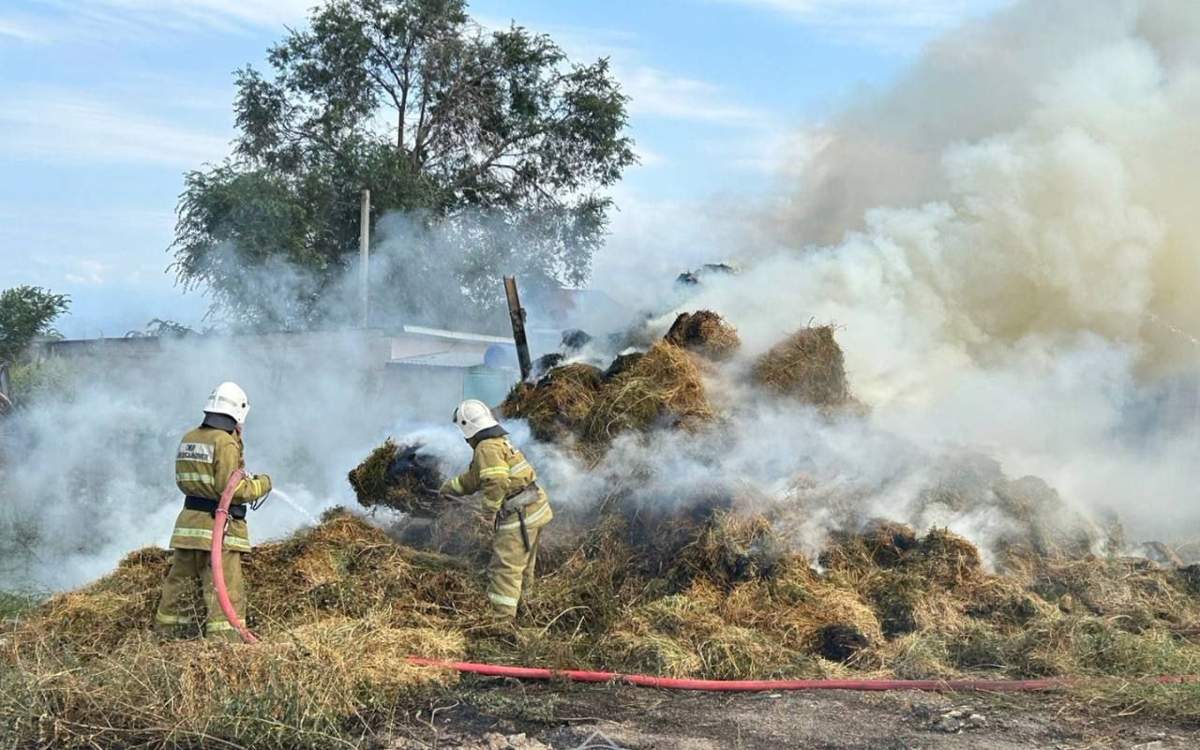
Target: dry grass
<point>808,365</point>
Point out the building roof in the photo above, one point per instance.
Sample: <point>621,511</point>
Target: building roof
<point>459,359</point>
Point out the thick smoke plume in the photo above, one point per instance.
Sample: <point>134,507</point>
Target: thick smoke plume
<point>1006,240</point>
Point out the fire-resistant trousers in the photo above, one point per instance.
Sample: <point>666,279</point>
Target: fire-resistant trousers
<point>190,574</point>
<point>510,572</point>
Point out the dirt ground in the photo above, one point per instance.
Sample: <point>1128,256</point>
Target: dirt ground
<point>502,715</point>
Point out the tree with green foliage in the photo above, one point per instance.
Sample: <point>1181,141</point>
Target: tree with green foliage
<point>465,130</point>
<point>27,312</point>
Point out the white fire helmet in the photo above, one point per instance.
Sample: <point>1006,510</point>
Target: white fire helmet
<point>228,399</point>
<point>472,417</point>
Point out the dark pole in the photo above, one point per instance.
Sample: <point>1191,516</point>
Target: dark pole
<point>517,314</point>
<point>5,402</point>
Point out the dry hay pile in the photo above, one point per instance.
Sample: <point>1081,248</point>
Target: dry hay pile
<point>711,594</point>
<point>660,388</point>
<point>398,477</point>
<point>705,333</point>
<point>808,365</point>
<point>338,608</point>
<point>558,403</point>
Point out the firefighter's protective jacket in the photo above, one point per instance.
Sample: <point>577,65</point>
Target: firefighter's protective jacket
<point>499,470</point>
<point>206,458</point>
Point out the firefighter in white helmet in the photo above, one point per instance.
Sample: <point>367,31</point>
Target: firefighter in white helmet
<point>511,497</point>
<point>207,456</point>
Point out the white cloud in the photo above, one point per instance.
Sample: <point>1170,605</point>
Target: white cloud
<point>20,29</point>
<point>87,272</point>
<point>656,93</point>
<point>110,19</point>
<point>648,157</point>
<point>71,126</point>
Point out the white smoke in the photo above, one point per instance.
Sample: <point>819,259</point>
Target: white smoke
<point>1006,239</point>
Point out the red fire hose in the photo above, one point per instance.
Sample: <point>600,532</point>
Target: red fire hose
<point>218,572</point>
<point>749,686</point>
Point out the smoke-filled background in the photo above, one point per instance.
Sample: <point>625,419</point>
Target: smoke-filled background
<point>1005,240</point>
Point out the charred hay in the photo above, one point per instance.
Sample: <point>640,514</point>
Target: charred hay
<point>400,477</point>
<point>705,333</point>
<point>662,389</point>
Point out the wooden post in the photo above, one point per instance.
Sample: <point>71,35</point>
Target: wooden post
<point>516,314</point>
<point>364,255</point>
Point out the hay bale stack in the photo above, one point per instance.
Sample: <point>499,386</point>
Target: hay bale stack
<point>705,333</point>
<point>398,477</point>
<point>558,404</point>
<point>661,389</point>
<point>808,366</point>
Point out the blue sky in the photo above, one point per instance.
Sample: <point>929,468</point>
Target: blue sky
<point>104,104</point>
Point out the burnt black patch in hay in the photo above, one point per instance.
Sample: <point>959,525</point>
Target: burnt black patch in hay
<point>705,333</point>
<point>841,642</point>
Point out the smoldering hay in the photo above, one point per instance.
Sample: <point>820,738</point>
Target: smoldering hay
<point>1007,242</point>
<point>1003,246</point>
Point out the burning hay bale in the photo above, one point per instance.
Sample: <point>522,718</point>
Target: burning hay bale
<point>398,477</point>
<point>556,405</point>
<point>705,333</point>
<point>662,388</point>
<point>808,365</point>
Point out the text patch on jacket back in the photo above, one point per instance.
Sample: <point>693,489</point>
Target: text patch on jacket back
<point>201,452</point>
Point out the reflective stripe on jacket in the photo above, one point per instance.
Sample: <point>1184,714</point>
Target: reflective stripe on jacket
<point>203,463</point>
<point>499,470</point>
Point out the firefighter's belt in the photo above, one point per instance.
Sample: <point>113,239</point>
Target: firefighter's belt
<point>210,507</point>
<point>516,504</point>
<point>524,496</point>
